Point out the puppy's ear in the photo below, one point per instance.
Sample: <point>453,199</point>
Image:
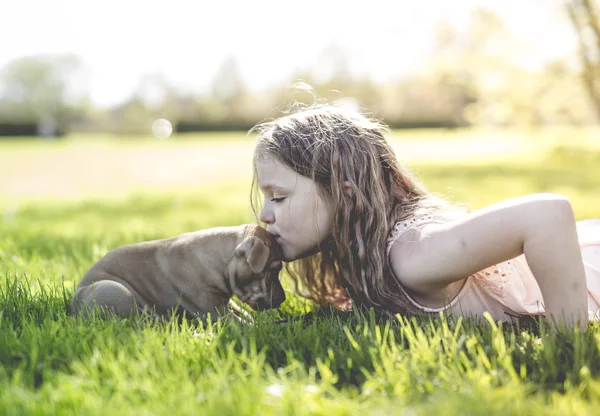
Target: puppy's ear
<point>255,251</point>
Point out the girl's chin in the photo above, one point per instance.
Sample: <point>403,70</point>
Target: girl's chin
<point>288,257</point>
<point>291,255</point>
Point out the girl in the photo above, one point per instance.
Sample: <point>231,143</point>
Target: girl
<point>347,215</point>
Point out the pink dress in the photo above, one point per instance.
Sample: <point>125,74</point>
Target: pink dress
<point>509,288</point>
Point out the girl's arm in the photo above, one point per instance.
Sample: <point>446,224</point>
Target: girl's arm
<point>542,226</point>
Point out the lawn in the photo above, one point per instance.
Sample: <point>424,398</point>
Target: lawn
<point>64,204</point>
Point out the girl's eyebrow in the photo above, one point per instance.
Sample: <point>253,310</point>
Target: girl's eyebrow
<point>272,187</point>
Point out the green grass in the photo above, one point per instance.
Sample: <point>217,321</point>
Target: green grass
<point>286,363</point>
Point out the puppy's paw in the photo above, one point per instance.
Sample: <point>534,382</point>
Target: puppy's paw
<point>238,314</point>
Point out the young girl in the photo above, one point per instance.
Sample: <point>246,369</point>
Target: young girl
<point>347,215</point>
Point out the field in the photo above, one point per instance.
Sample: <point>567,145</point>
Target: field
<point>63,204</point>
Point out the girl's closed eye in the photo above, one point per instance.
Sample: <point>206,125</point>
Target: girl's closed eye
<point>278,200</point>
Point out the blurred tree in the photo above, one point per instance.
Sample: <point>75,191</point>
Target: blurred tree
<point>38,89</point>
<point>481,59</point>
<point>585,16</point>
<point>159,97</point>
<point>230,95</point>
<point>559,97</point>
<point>228,82</point>
<point>329,78</point>
<point>228,106</point>
<point>331,68</point>
<point>477,69</point>
<point>133,116</point>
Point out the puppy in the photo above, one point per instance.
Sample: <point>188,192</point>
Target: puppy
<point>195,273</point>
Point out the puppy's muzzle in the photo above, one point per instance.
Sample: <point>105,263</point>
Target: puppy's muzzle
<point>274,298</point>
<point>272,294</point>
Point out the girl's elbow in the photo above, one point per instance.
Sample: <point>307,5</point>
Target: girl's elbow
<point>562,205</point>
<point>554,208</point>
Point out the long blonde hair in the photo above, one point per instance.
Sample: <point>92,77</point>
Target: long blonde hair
<point>347,155</point>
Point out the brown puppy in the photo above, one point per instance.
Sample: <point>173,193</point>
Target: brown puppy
<point>195,272</point>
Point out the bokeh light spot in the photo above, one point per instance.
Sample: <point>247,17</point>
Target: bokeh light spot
<point>162,128</point>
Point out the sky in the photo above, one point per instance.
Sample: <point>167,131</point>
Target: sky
<point>185,41</point>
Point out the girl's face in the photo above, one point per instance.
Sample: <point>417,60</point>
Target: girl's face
<point>293,209</point>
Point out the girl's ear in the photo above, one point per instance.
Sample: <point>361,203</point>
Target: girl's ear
<point>347,189</point>
<point>255,251</point>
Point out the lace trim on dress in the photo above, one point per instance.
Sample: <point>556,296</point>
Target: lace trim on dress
<point>402,227</point>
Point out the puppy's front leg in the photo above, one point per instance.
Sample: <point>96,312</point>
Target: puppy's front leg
<point>239,313</point>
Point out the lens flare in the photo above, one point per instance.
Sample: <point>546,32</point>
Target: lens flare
<point>162,128</point>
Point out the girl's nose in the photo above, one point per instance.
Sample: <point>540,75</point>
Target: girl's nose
<point>266,216</point>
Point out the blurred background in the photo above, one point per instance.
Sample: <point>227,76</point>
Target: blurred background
<point>116,66</point>
<point>87,88</point>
